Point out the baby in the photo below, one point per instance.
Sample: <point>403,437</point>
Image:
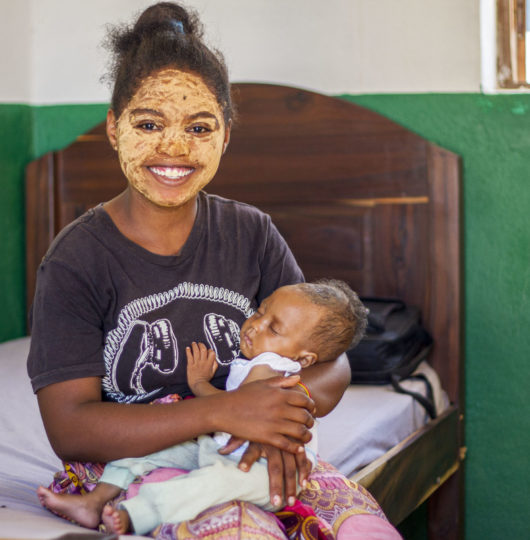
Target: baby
<point>293,328</point>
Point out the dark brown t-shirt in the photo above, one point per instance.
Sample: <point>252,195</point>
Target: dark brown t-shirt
<point>106,307</point>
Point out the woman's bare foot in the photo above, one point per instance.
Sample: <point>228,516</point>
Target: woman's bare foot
<point>78,508</point>
<point>116,520</point>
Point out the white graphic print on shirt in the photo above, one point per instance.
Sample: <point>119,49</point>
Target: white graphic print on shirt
<point>157,344</point>
<point>223,337</point>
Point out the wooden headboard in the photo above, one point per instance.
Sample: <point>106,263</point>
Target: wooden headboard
<point>356,196</point>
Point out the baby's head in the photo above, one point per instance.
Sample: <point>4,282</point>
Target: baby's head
<point>307,322</point>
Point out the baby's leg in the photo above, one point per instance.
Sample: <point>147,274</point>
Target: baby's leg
<point>116,519</point>
<point>122,472</point>
<point>184,497</point>
<point>83,509</point>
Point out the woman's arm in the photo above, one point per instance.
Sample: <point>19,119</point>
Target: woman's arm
<point>82,427</point>
<point>327,382</point>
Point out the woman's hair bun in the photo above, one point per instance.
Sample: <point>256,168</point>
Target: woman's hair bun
<point>167,16</point>
<point>165,35</point>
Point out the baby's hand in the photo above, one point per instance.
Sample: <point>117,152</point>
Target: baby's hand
<point>202,366</point>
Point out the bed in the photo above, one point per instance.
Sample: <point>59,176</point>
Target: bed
<point>357,197</point>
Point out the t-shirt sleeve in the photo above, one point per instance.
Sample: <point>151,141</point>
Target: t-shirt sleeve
<point>278,264</point>
<point>66,333</point>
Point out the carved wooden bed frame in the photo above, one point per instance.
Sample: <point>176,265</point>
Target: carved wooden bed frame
<point>357,197</point>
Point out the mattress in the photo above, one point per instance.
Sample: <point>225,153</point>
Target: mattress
<point>366,423</point>
<point>26,457</point>
<point>369,420</point>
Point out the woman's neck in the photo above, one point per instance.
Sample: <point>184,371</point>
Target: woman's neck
<point>160,230</point>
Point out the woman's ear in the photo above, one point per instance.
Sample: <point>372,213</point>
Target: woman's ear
<point>307,358</point>
<point>228,129</point>
<point>111,129</point>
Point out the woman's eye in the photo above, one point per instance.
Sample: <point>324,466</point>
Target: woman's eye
<point>199,130</point>
<point>273,331</point>
<point>148,126</point>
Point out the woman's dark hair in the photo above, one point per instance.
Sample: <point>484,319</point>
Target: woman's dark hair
<point>165,36</point>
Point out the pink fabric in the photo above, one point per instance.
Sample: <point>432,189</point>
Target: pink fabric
<point>230,521</point>
<point>158,475</point>
<point>300,508</point>
<point>367,527</point>
<point>301,522</point>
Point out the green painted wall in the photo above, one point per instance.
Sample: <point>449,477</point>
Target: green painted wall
<point>28,132</point>
<point>56,126</point>
<point>15,152</point>
<point>492,134</point>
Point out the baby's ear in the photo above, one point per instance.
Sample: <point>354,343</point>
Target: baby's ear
<point>307,358</point>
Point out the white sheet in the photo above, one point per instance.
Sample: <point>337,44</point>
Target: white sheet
<point>26,457</point>
<point>367,422</point>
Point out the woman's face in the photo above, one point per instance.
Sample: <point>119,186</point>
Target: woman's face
<point>170,137</point>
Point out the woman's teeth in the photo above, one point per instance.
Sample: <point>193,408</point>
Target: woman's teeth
<point>171,172</point>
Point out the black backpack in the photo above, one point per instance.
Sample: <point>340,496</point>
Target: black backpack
<point>394,345</point>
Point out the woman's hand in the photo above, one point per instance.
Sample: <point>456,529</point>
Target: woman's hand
<point>285,469</point>
<point>269,412</point>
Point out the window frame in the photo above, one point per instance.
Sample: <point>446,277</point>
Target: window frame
<point>511,44</point>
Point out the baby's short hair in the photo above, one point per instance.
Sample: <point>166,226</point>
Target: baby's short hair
<point>343,324</point>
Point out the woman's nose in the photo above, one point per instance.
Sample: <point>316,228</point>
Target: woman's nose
<point>173,146</point>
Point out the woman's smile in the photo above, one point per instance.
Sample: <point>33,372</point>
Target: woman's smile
<point>172,173</point>
<point>171,177</point>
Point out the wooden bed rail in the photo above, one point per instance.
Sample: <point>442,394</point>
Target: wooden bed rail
<point>427,464</point>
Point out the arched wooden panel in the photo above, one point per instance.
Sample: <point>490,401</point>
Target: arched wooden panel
<point>355,195</point>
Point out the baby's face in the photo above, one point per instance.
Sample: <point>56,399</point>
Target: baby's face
<point>282,324</point>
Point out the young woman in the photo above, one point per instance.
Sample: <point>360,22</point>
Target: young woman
<point>125,288</point>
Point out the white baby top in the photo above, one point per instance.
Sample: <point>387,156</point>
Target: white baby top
<point>240,367</point>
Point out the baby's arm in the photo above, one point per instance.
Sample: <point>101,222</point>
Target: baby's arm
<point>260,372</point>
<point>202,366</point>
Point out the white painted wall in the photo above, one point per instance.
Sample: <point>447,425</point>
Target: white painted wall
<point>51,48</point>
<point>15,53</point>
